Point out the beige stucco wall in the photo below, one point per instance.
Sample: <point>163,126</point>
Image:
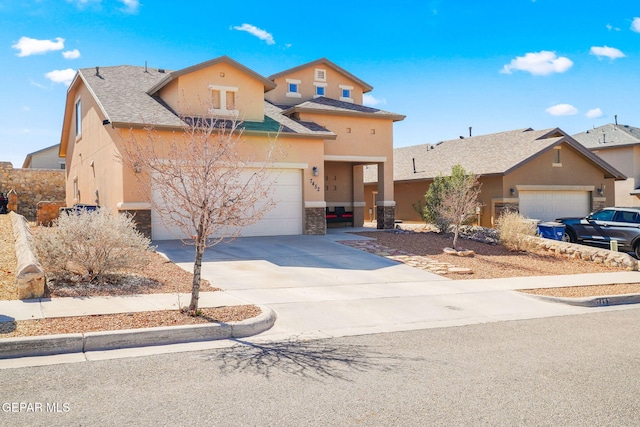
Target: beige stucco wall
<point>190,93</point>
<point>360,140</point>
<point>307,89</point>
<point>91,158</point>
<point>627,161</point>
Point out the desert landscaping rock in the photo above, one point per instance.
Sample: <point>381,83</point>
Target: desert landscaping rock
<point>424,263</point>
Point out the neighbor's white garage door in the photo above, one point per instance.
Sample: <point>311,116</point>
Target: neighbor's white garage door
<point>285,218</point>
<point>549,205</point>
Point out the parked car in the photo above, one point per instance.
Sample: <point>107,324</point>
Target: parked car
<point>78,208</point>
<point>605,225</point>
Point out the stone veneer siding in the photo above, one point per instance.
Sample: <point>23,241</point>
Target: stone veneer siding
<point>142,220</point>
<point>32,186</point>
<point>315,221</point>
<point>386,217</point>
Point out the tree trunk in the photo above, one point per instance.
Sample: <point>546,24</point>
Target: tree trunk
<point>197,270</point>
<point>455,236</point>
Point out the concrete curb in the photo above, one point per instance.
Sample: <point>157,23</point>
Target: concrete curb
<point>130,338</point>
<point>602,301</point>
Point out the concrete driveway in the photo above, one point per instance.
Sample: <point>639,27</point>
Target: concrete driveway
<point>292,262</point>
<point>319,288</point>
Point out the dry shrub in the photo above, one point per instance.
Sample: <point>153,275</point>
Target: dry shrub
<point>90,244</point>
<point>514,230</point>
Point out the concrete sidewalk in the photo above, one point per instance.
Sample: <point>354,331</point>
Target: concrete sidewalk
<point>346,305</point>
<point>309,312</point>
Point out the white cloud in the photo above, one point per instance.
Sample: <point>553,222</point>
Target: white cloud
<point>255,31</point>
<point>606,51</point>
<point>594,114</point>
<point>562,110</point>
<point>61,76</point>
<point>131,6</point>
<point>538,63</point>
<point>371,101</point>
<point>611,27</point>
<point>28,46</point>
<point>635,25</point>
<point>71,54</point>
<point>36,84</point>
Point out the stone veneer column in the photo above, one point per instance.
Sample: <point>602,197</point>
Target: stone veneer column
<point>598,203</point>
<point>315,221</point>
<point>142,220</point>
<point>386,215</point>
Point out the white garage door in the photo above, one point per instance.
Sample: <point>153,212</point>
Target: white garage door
<point>285,218</point>
<point>549,205</point>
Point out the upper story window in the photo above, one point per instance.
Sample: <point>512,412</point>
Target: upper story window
<point>320,75</point>
<point>320,89</point>
<point>223,99</point>
<point>293,88</point>
<point>78,117</point>
<point>345,93</point>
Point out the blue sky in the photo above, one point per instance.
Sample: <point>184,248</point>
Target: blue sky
<point>447,65</point>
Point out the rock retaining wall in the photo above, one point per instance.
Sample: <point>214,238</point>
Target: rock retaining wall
<point>31,186</point>
<point>588,253</point>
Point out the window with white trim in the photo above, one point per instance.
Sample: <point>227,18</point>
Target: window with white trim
<point>320,75</point>
<point>78,110</point>
<point>320,89</point>
<point>223,99</point>
<point>345,93</point>
<point>293,88</point>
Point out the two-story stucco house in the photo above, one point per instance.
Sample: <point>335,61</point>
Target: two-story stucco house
<point>315,109</point>
<point>619,145</point>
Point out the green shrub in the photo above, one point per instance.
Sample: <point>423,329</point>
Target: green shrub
<point>514,230</point>
<point>91,244</point>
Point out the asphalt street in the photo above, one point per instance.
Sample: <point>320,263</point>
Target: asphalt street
<point>569,370</point>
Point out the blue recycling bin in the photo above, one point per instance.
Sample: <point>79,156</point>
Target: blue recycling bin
<point>551,230</point>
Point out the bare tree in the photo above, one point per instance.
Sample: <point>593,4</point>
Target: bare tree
<point>204,181</point>
<point>459,199</point>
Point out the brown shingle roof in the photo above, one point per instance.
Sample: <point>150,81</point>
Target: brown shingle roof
<point>493,154</point>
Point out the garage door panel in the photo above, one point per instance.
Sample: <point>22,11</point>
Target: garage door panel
<point>285,218</point>
<point>549,205</point>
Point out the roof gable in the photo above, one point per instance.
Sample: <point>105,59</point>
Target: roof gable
<point>366,87</point>
<point>268,85</point>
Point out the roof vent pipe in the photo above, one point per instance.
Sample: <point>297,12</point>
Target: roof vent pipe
<point>615,117</point>
<point>98,71</point>
<point>413,159</point>
<point>469,131</point>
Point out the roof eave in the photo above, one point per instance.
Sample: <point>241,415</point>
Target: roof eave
<point>298,109</point>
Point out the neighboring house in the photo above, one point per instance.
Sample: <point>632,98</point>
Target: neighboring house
<point>545,174</point>
<point>328,133</point>
<point>619,145</point>
<point>47,158</point>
